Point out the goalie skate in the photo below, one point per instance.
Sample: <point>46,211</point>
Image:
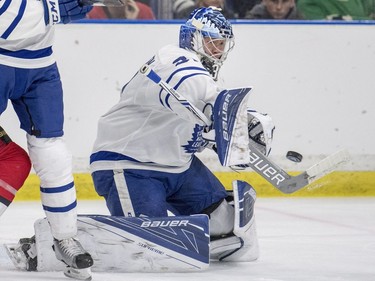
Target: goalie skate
<point>75,257</point>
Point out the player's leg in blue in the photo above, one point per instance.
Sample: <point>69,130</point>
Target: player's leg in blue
<point>40,111</point>
<point>135,192</point>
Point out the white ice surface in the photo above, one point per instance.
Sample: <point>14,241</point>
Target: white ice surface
<point>310,239</point>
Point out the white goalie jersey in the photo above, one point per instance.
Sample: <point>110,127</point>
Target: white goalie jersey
<point>147,126</point>
<point>25,38</point>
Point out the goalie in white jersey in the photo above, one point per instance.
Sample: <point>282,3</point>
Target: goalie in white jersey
<point>31,80</point>
<point>143,160</point>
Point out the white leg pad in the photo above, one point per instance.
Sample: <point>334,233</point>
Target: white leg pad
<point>122,244</point>
<point>243,245</point>
<point>222,219</point>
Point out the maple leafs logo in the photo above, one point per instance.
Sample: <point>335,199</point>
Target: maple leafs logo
<point>196,141</point>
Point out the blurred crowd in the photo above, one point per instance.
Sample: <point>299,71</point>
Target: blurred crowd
<point>242,9</point>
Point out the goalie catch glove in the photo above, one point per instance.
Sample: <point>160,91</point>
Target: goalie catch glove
<point>260,129</point>
<point>67,11</point>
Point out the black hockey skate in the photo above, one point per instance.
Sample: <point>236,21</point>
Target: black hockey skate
<point>75,257</point>
<point>23,255</point>
<point>28,248</point>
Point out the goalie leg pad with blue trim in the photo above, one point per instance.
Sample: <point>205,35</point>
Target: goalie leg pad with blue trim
<point>134,244</point>
<point>230,124</point>
<point>242,245</point>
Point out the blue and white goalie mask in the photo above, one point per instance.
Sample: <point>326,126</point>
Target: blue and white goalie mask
<point>209,34</point>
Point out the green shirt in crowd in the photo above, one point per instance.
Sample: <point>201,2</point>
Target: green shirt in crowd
<point>336,9</point>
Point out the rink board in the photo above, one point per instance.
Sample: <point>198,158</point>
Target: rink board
<point>345,184</point>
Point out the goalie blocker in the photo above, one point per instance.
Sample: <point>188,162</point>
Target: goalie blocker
<point>230,124</point>
<point>139,244</point>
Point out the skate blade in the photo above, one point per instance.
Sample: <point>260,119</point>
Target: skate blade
<point>18,261</point>
<point>79,274</point>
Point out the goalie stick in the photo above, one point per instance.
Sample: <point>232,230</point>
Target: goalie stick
<point>260,163</point>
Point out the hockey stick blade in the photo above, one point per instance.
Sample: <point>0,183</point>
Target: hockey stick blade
<point>286,183</point>
<point>153,76</point>
<point>327,165</point>
<point>109,3</point>
<point>16,259</point>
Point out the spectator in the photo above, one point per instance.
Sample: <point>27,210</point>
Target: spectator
<point>274,9</point>
<point>131,10</point>
<point>183,8</point>
<point>239,7</point>
<point>336,10</point>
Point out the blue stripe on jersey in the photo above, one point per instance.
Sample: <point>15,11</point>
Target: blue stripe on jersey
<point>57,189</point>
<point>183,69</point>
<point>16,20</point>
<point>27,54</point>
<point>60,209</point>
<point>166,101</point>
<point>186,77</point>
<point>5,6</point>
<point>110,156</point>
<point>181,80</point>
